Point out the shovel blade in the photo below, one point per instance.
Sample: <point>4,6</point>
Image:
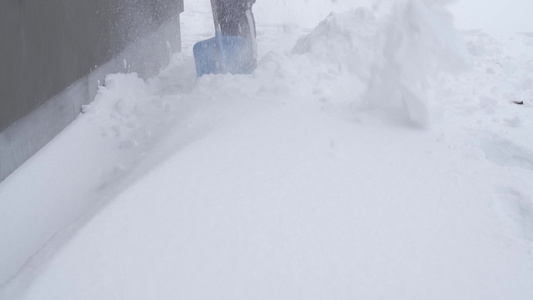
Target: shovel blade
<point>224,54</point>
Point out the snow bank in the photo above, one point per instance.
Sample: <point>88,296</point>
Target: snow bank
<point>396,56</point>
<point>345,40</point>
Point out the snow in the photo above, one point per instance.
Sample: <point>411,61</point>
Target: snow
<point>500,15</point>
<point>375,153</point>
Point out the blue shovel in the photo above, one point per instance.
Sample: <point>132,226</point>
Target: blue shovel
<point>225,54</point>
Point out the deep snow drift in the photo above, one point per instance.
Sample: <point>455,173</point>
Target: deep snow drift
<point>379,155</point>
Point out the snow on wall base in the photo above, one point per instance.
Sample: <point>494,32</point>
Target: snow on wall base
<point>24,138</point>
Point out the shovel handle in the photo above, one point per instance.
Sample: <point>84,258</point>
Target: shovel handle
<point>214,8</point>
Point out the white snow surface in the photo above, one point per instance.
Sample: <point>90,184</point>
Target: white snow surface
<point>375,153</point>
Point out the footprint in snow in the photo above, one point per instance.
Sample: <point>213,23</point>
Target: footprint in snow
<point>516,211</point>
<point>506,153</point>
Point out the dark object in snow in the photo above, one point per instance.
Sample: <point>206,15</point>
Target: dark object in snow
<point>518,102</point>
<point>233,49</point>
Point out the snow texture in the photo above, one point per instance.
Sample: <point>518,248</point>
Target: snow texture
<point>375,153</point>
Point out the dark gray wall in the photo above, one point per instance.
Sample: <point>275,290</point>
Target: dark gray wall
<point>48,46</point>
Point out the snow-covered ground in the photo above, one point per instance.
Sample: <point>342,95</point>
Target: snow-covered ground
<point>379,155</point>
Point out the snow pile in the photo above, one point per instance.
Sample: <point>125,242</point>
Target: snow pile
<point>419,42</point>
<point>126,110</point>
<point>396,56</point>
<point>346,41</point>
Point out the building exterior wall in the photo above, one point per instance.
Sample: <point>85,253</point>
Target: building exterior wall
<point>53,54</point>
